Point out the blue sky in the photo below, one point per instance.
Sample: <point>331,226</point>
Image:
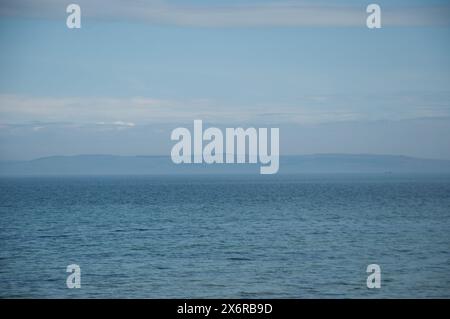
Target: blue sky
<point>133,73</point>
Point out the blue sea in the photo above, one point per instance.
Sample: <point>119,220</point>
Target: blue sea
<point>302,236</point>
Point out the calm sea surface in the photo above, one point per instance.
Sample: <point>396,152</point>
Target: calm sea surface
<point>223,237</point>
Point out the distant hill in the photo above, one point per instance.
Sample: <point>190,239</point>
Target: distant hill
<point>157,165</point>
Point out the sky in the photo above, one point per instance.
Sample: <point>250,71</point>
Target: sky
<point>136,70</point>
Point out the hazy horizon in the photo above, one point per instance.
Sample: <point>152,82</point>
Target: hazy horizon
<point>107,164</point>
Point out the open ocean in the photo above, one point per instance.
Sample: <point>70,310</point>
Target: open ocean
<point>225,237</point>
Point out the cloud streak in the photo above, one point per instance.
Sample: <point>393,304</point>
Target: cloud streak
<point>276,14</point>
<point>126,113</point>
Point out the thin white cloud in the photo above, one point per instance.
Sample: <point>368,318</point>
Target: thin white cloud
<point>38,128</point>
<point>117,123</point>
<point>127,113</point>
<point>278,14</point>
